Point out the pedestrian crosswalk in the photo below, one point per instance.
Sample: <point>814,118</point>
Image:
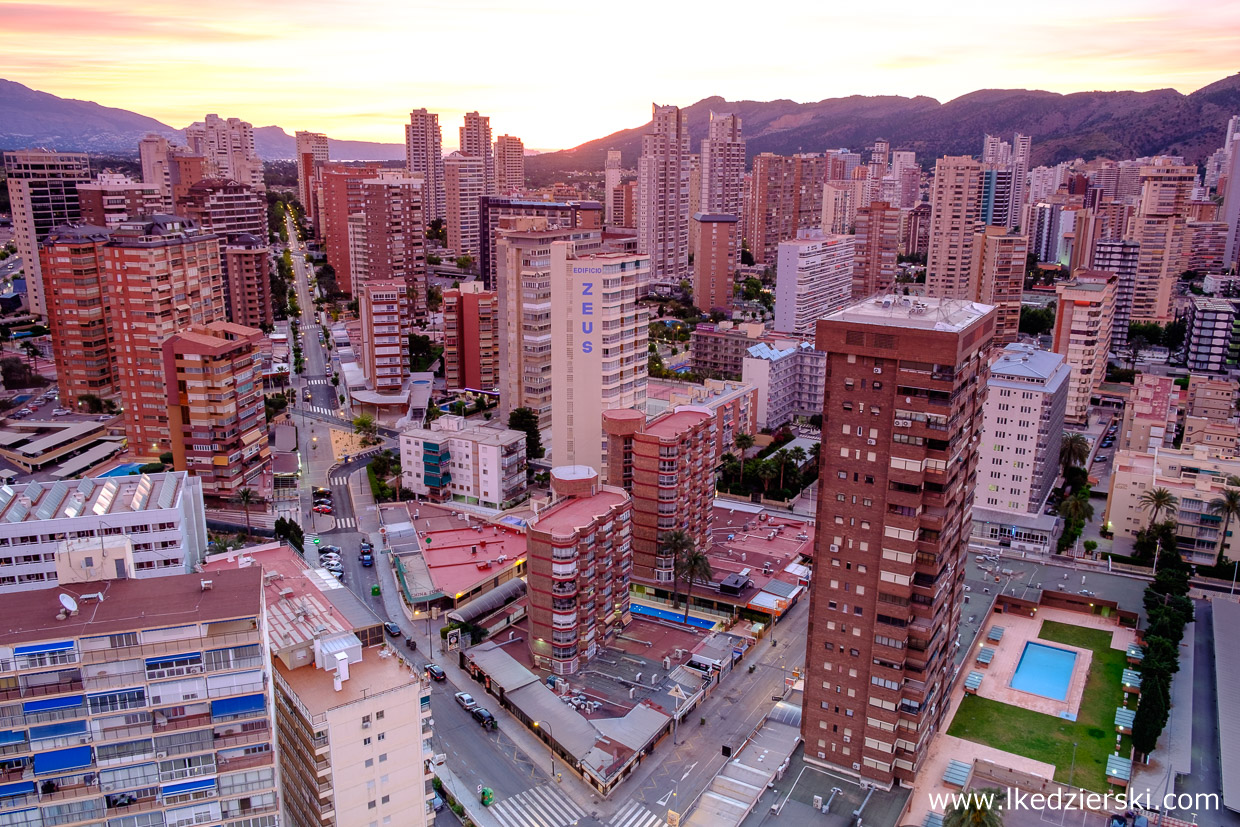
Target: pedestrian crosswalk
<point>541,806</point>
<point>346,522</point>
<point>633,814</point>
<point>342,479</point>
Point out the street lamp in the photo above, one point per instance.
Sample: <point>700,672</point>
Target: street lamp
<point>1072,771</point>
<point>550,743</point>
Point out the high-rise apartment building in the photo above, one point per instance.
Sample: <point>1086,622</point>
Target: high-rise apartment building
<point>599,343</point>
<point>509,165</point>
<point>786,196</point>
<point>71,258</point>
<point>216,418</point>
<point>156,716</point>
<point>312,153</point>
<point>424,155</point>
<point>955,201</point>
<point>1209,334</point>
<point>1083,334</point>
<point>224,207</point>
<point>876,245</point>
<point>723,167</point>
<point>523,296</point>
<point>715,260</point>
<point>42,195</point>
<point>247,271</point>
<point>386,321</point>
<point>470,338</point>
<point>455,460</point>
<point>661,464</point>
<point>476,143</point>
<point>813,279</point>
<point>999,259</point>
<point>492,210</point>
<point>663,199</point>
<point>1006,173</point>
<point>164,275</point>
<point>789,376</point>
<point>465,183</point>
<point>1231,205</point>
<point>894,517</point>
<point>1022,428</point>
<point>393,244</point>
<point>111,199</point>
<point>340,186</point>
<point>1119,257</point>
<point>611,186</point>
<point>228,147</point>
<point>580,561</point>
<point>1207,245</point>
<point>1160,227</point>
<point>153,156</point>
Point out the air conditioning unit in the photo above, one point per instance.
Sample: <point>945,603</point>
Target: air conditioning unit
<point>856,766</point>
<point>365,724</point>
<point>835,549</point>
<point>822,755</point>
<point>904,423</point>
<point>878,370</point>
<point>107,788</point>
<point>161,755</point>
<point>847,739</point>
<point>871,442</point>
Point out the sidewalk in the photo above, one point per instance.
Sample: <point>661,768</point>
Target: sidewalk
<point>1173,754</point>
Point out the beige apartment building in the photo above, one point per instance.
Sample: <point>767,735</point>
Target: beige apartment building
<point>393,242</point>
<point>716,242</point>
<point>111,199</point>
<point>424,155</point>
<point>386,320</point>
<point>955,203</point>
<point>475,142</point>
<point>876,246</point>
<point>312,152</point>
<point>1083,335</point>
<point>723,168</point>
<point>227,144</point>
<point>1151,414</point>
<point>465,182</point>
<point>998,271</point>
<point>663,199</point>
<point>509,165</point>
<point>599,345</point>
<point>1160,226</point>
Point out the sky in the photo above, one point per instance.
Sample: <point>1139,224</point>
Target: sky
<point>557,73</point>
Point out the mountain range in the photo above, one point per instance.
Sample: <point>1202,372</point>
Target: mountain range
<point>1083,124</point>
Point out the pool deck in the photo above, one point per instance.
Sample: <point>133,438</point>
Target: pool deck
<point>946,748</point>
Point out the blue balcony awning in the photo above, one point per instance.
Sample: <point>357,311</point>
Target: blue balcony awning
<point>49,704</point>
<point>192,657</point>
<point>20,788</point>
<point>238,706</point>
<point>62,760</point>
<point>60,730</point>
<point>12,736</point>
<point>42,648</point>
<point>188,786</point>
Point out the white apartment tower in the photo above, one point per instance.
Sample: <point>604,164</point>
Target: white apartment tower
<point>228,146</point>
<point>1022,427</point>
<point>663,199</point>
<point>723,166</point>
<point>311,151</point>
<point>424,155</point>
<point>813,279</point>
<point>509,164</point>
<point>476,143</point>
<point>599,341</point>
<point>465,183</point>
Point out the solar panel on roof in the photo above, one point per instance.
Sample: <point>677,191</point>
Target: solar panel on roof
<point>52,501</point>
<point>6,496</point>
<point>105,497</point>
<point>168,492</point>
<point>85,487</point>
<point>141,494</point>
<point>18,512</point>
<point>33,490</point>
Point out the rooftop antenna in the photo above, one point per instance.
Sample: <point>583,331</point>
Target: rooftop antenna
<point>69,603</point>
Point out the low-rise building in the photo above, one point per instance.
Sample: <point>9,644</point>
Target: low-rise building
<point>790,377</point>
<point>718,350</point>
<point>1151,414</point>
<point>734,405</point>
<point>456,460</point>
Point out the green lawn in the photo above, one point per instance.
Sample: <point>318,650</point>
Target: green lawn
<point>1047,738</point>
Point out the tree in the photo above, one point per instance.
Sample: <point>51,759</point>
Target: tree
<point>766,471</point>
<point>781,459</point>
<point>32,351</point>
<point>92,403</point>
<point>364,425</point>
<point>464,262</point>
<point>730,466</point>
<point>676,544</point>
<point>1073,450</point>
<point>984,808</point>
<point>246,496</point>
<point>434,298</point>
<point>1158,501</point>
<point>695,568</point>
<point>1136,346</point>
<point>798,456</point>
<point>437,230</point>
<point>1077,507</point>
<point>1034,321</point>
<point>525,419</point>
<point>1147,724</point>
<point>1226,506</point>
<point>743,443</point>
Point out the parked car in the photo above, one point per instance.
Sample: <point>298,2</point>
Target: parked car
<point>1117,821</point>
<point>392,629</point>
<point>322,509</point>
<point>320,491</point>
<point>435,672</point>
<point>466,701</point>
<point>484,718</point>
<point>61,412</point>
<point>323,501</point>
<point>331,549</point>
<point>367,558</point>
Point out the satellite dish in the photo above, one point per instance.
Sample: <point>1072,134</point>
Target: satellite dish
<point>69,603</point>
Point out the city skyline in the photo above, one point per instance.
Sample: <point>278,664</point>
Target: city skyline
<point>251,61</point>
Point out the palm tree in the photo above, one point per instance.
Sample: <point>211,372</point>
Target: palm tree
<point>695,568</point>
<point>32,352</point>
<point>984,808</point>
<point>766,472</point>
<point>1158,501</point>
<point>743,443</point>
<point>781,459</point>
<point>246,496</point>
<point>1076,508</point>
<point>676,544</point>
<point>1073,450</point>
<point>1226,506</point>
<point>729,465</point>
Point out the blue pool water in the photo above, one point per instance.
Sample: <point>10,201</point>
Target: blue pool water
<point>675,617</point>
<point>1044,670</point>
<point>123,470</point>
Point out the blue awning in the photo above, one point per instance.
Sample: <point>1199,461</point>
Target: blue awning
<point>239,706</point>
<point>12,736</point>
<point>41,648</point>
<point>193,657</point>
<point>59,730</point>
<point>20,788</point>
<point>189,786</point>
<point>48,704</point>
<point>62,760</point>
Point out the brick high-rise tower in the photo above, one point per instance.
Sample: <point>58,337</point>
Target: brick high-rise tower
<point>906,381</point>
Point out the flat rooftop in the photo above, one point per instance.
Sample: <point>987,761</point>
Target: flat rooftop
<point>98,496</point>
<point>573,513</point>
<point>460,558</point>
<point>676,422</point>
<point>127,605</point>
<point>378,671</point>
<point>916,312</point>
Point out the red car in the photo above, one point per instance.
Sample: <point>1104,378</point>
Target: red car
<point>322,509</point>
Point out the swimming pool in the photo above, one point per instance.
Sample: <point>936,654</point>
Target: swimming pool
<point>664,614</point>
<point>1044,670</point>
<point>123,470</point>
